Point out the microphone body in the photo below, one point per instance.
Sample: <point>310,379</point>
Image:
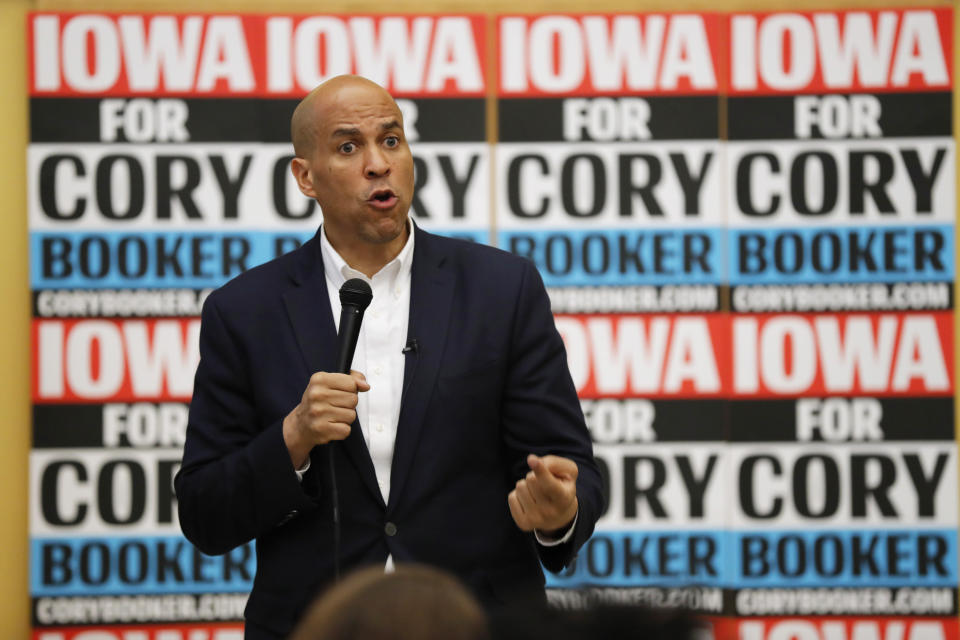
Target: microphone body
<point>355,297</point>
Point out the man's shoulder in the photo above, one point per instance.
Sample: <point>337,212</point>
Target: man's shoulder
<point>471,253</point>
<point>267,281</point>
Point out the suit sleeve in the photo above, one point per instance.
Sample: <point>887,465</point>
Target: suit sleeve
<point>236,481</point>
<point>541,411</point>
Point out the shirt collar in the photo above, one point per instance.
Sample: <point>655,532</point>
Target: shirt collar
<point>338,271</point>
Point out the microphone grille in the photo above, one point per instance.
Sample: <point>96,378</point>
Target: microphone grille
<point>357,293</point>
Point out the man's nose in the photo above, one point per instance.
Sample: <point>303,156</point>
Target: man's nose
<point>377,165</point>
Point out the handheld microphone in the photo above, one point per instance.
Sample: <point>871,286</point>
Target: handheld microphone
<point>355,297</point>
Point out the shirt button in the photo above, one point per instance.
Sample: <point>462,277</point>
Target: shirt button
<point>375,314</point>
<point>378,369</point>
<point>379,426</point>
<point>390,529</point>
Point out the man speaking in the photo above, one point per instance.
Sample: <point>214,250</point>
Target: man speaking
<point>461,444</point>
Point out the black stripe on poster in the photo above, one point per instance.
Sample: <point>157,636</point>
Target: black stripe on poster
<point>634,420</point>
<point>842,601</point>
<point>627,119</point>
<point>177,120</point>
<point>118,425</point>
<point>808,298</point>
<point>137,608</point>
<point>841,419</point>
<point>118,303</point>
<point>839,116</point>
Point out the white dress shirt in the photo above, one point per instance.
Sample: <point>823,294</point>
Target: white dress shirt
<point>379,356</point>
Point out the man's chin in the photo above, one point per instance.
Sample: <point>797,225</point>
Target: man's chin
<point>387,230</point>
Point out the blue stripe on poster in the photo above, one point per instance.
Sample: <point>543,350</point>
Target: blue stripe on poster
<point>147,565</point>
<point>758,559</point>
<point>841,558</point>
<point>848,254</point>
<point>159,259</point>
<point>577,257</point>
<point>648,558</point>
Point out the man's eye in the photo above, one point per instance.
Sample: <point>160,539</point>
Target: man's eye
<point>392,141</point>
<point>347,147</point>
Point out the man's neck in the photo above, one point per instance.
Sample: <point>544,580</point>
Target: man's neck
<point>366,258</point>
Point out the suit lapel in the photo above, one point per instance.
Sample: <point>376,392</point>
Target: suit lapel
<point>431,295</point>
<point>308,305</point>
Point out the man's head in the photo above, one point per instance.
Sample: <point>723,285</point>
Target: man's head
<point>353,159</point>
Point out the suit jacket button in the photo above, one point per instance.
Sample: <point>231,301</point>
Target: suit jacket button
<point>390,529</point>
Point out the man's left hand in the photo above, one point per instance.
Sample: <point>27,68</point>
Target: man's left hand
<point>546,499</point>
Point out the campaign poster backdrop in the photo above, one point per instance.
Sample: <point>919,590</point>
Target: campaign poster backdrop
<point>841,208</point>
<point>745,223</point>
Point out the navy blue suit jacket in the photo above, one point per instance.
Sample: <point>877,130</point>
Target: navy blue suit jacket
<point>488,384</point>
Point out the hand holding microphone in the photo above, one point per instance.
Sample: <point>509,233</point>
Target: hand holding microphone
<point>329,403</point>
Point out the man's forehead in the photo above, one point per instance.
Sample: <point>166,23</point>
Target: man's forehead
<point>344,102</point>
<point>342,111</point>
<point>353,126</point>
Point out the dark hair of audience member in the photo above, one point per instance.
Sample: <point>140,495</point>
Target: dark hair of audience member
<point>413,603</point>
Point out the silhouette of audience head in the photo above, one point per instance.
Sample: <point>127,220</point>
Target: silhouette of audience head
<point>413,603</point>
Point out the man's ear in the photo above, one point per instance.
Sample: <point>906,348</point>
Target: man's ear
<point>301,173</point>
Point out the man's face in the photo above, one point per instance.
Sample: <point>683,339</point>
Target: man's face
<point>360,169</point>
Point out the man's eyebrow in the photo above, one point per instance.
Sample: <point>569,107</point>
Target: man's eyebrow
<point>350,132</point>
<point>345,132</point>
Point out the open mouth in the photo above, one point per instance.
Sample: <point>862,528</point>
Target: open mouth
<point>382,198</point>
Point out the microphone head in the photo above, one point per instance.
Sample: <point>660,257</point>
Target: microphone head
<point>356,293</point>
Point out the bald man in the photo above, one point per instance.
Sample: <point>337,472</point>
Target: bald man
<point>458,439</point>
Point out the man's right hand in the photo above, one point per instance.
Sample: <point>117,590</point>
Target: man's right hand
<point>326,411</point>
